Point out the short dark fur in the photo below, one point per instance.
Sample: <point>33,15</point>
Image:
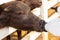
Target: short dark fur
<point>18,15</point>
<point>33,3</point>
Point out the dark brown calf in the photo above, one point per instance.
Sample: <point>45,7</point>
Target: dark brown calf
<point>18,15</point>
